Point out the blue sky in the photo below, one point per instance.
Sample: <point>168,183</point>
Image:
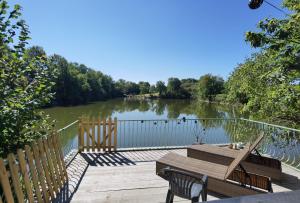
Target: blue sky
<point>146,40</point>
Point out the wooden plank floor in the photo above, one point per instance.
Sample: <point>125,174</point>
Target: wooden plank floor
<point>130,177</point>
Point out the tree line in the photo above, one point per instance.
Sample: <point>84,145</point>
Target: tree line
<point>76,83</point>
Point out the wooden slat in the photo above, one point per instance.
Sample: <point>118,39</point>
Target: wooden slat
<point>59,174</point>
<point>109,133</point>
<point>214,150</point>
<point>82,136</point>
<point>61,157</point>
<point>88,137</point>
<point>115,133</point>
<point>223,155</point>
<point>93,134</point>
<point>191,165</point>
<point>33,173</point>
<point>51,166</point>
<point>60,168</point>
<point>5,183</point>
<point>14,171</point>
<point>229,189</point>
<point>45,167</point>
<point>22,162</point>
<point>104,134</point>
<point>256,142</point>
<point>79,135</point>
<point>1,201</point>
<point>98,134</point>
<point>243,154</point>
<point>40,171</point>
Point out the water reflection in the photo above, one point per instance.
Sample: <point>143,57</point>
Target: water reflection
<point>169,125</point>
<point>142,109</point>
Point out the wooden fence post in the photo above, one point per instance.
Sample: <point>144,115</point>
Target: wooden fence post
<point>14,172</point>
<point>115,133</point>
<point>88,128</point>
<point>21,157</point>
<point>41,175</point>
<point>51,166</point>
<point>5,182</point>
<point>33,173</point>
<point>93,134</point>
<point>98,134</point>
<point>109,133</point>
<point>79,135</point>
<point>104,134</point>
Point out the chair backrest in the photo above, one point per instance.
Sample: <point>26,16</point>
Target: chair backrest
<point>256,142</point>
<point>184,184</point>
<point>243,154</point>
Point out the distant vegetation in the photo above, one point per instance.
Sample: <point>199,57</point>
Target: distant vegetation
<point>77,84</point>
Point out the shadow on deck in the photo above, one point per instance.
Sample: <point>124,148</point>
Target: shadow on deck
<point>129,176</point>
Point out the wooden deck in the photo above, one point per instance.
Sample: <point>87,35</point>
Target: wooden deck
<point>130,177</point>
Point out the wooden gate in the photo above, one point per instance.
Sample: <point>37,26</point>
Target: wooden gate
<point>96,135</point>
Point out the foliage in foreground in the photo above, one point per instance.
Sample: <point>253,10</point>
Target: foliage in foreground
<point>25,84</point>
<point>268,83</point>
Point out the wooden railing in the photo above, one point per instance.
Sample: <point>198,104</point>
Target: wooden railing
<point>97,134</point>
<point>36,174</point>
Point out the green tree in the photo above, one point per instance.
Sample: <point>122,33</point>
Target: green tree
<point>132,88</point>
<point>62,83</point>
<point>120,88</point>
<point>189,87</point>
<point>174,89</point>
<point>25,84</point>
<point>152,89</point>
<point>34,51</point>
<point>173,85</point>
<point>161,87</point>
<point>144,87</point>
<point>268,82</point>
<point>209,86</point>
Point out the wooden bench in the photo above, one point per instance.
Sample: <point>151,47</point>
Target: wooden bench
<point>219,175</point>
<point>253,163</point>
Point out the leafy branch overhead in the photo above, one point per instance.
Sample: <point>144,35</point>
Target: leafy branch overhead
<point>25,83</point>
<point>268,83</point>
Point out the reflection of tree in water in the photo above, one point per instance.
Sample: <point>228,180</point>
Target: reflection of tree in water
<point>204,110</point>
<point>159,107</point>
<point>279,143</point>
<point>144,106</point>
<point>241,131</point>
<point>173,107</point>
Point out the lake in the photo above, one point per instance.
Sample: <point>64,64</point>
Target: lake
<point>165,123</point>
<point>128,109</point>
<point>151,123</point>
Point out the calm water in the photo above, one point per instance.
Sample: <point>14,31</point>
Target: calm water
<point>141,110</point>
<point>157,123</point>
<point>136,125</point>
